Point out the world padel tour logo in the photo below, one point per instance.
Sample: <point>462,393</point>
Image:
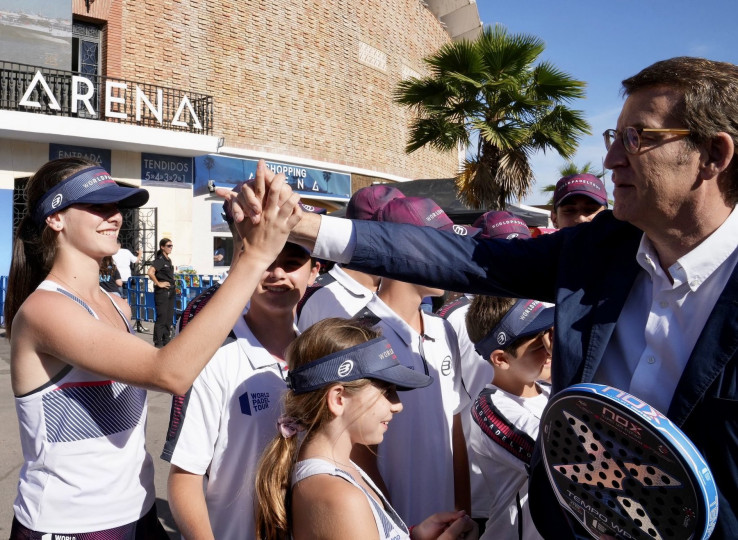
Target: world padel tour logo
<point>253,402</point>
<point>57,200</point>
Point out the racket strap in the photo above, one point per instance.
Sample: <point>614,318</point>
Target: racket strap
<point>499,429</point>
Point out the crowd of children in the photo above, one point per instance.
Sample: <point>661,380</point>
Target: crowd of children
<point>445,438</point>
<point>467,386</point>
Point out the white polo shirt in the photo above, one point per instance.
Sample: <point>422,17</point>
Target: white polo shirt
<point>506,474</point>
<point>476,373</point>
<point>342,297</point>
<point>416,457</point>
<point>228,418</point>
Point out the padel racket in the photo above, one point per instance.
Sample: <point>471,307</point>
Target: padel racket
<point>623,469</point>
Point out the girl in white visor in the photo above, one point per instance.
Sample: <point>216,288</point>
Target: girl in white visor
<point>79,374</point>
<point>343,379</point>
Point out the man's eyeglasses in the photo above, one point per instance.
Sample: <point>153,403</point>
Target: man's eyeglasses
<point>631,136</point>
<point>168,245</point>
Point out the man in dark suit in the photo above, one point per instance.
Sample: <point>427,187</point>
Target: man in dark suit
<point>646,294</point>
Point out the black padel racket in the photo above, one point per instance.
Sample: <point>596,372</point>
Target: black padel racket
<point>623,469</point>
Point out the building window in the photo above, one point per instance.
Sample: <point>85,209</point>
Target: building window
<point>86,60</point>
<point>86,48</point>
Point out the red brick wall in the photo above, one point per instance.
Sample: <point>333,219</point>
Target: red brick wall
<point>286,74</point>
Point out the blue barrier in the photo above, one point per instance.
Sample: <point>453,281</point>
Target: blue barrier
<point>140,299</point>
<point>188,287</point>
<point>3,290</point>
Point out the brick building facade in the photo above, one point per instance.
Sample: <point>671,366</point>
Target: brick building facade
<point>303,82</point>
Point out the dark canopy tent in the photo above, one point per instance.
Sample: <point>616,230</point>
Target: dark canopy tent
<point>443,191</point>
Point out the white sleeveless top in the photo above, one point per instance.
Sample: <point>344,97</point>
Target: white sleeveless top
<point>85,465</point>
<point>389,524</point>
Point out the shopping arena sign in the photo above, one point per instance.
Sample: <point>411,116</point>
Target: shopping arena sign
<point>116,100</point>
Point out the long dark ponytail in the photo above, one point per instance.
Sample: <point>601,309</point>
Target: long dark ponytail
<point>34,246</point>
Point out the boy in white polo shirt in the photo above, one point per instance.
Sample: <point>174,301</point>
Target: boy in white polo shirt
<point>341,292</point>
<point>475,371</point>
<point>514,336</point>
<point>422,462</point>
<point>221,426</point>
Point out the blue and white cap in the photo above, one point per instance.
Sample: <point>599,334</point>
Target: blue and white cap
<point>373,359</point>
<point>525,318</point>
<point>92,185</point>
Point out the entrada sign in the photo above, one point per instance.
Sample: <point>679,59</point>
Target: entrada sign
<point>83,90</point>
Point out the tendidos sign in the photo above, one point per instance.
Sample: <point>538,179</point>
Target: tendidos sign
<point>115,101</point>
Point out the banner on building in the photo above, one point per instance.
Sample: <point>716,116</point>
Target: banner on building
<point>220,171</point>
<point>162,170</point>
<point>100,156</point>
<point>36,32</point>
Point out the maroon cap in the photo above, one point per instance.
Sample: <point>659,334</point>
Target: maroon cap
<point>422,212</point>
<point>501,224</point>
<point>365,203</point>
<point>580,184</point>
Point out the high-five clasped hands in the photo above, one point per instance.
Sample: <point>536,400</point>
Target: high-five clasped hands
<point>265,211</point>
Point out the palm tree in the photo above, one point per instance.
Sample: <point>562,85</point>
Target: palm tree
<point>490,90</point>
<point>570,168</point>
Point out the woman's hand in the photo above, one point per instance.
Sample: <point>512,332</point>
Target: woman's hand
<point>446,526</point>
<point>280,212</point>
<point>248,201</point>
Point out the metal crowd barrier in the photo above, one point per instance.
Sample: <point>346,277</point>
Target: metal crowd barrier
<point>3,290</point>
<point>141,297</point>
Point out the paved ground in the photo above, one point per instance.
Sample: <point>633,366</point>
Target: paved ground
<point>11,457</point>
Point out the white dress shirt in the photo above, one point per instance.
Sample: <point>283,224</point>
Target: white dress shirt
<point>661,321</point>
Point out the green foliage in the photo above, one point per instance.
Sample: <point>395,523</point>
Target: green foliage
<point>492,89</point>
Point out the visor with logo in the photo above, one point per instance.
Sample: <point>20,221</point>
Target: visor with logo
<point>525,318</point>
<point>93,185</point>
<point>373,359</point>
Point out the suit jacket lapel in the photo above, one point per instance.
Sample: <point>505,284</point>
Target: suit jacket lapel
<point>615,287</point>
<point>717,344</point>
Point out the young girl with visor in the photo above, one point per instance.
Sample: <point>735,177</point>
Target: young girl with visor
<point>78,373</point>
<point>343,381</point>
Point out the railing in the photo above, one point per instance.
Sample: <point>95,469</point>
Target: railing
<point>78,95</point>
<point>3,291</point>
<point>188,287</point>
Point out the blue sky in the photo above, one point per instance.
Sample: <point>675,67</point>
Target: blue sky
<point>603,42</point>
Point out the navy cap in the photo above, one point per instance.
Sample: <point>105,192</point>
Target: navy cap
<point>92,185</point>
<point>373,359</point>
<point>525,318</point>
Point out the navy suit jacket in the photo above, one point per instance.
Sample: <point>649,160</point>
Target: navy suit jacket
<point>588,272</point>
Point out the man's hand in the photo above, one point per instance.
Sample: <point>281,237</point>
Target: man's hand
<point>249,201</point>
<point>265,234</point>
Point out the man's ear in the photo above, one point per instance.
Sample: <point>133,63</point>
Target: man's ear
<point>336,399</point>
<point>499,359</point>
<point>717,156</point>
<point>55,221</point>
<point>554,219</point>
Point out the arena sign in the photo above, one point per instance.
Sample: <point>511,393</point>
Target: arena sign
<point>116,96</point>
